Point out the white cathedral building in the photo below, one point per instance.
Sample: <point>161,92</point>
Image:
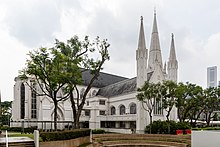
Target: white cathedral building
<point>111,103</point>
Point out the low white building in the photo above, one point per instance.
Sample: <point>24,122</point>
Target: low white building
<point>111,103</point>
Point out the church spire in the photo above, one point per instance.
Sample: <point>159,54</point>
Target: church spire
<point>155,51</point>
<point>141,41</point>
<point>172,49</point>
<point>172,62</point>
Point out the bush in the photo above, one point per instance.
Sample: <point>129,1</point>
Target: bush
<point>98,131</point>
<point>64,135</point>
<point>166,127</point>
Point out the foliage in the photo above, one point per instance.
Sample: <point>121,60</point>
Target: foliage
<point>64,135</point>
<point>5,112</point>
<point>59,69</point>
<point>166,127</point>
<point>168,96</point>
<point>149,94</point>
<point>98,131</point>
<point>76,51</point>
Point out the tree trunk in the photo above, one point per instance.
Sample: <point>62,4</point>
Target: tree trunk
<point>55,115</point>
<point>151,119</point>
<point>167,116</point>
<point>73,110</point>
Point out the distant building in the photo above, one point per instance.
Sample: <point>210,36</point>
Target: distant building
<point>212,76</point>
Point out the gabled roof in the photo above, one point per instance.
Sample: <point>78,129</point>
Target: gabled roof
<point>104,79</point>
<point>119,88</point>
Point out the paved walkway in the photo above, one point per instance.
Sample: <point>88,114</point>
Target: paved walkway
<point>16,139</point>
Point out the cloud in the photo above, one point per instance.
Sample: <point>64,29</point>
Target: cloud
<point>33,22</point>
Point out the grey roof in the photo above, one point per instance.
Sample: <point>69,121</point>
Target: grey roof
<point>103,80</point>
<point>119,88</point>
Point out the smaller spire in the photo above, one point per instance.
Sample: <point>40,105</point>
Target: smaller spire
<point>141,41</point>
<point>155,30</point>
<point>172,49</point>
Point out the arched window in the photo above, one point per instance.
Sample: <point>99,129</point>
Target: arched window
<point>82,93</point>
<point>33,102</point>
<point>94,93</point>
<point>112,110</point>
<point>122,110</point>
<point>22,101</point>
<point>133,108</point>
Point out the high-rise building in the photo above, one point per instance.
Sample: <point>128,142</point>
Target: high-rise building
<point>212,76</point>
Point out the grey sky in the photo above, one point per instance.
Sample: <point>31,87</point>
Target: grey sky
<point>27,25</point>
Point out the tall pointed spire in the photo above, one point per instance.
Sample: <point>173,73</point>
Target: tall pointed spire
<point>141,41</point>
<point>172,62</point>
<point>172,49</point>
<point>155,51</point>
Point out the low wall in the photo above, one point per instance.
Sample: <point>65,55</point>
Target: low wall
<point>205,138</point>
<point>66,143</point>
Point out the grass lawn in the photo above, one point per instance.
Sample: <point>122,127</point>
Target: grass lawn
<point>23,135</point>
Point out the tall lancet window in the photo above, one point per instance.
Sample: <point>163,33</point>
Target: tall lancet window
<point>158,108</point>
<point>22,101</point>
<point>33,101</point>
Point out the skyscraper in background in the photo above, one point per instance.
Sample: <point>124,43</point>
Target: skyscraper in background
<point>212,76</point>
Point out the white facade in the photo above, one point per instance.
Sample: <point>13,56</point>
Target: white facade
<point>113,107</point>
<point>212,76</point>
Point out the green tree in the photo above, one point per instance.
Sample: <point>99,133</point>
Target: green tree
<point>60,69</point>
<point>6,112</point>
<point>47,67</point>
<point>149,94</point>
<point>168,96</point>
<point>183,95</point>
<point>212,102</point>
<point>197,104</point>
<point>77,53</point>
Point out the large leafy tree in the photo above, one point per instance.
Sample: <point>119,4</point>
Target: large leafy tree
<point>46,67</point>
<point>169,96</point>
<point>212,102</point>
<point>197,104</point>
<point>149,94</point>
<point>183,95</point>
<point>79,54</point>
<point>59,69</point>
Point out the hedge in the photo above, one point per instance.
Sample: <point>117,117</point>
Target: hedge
<point>166,127</point>
<point>64,135</point>
<point>98,131</point>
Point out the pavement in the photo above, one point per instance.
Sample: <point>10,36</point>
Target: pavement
<point>15,139</point>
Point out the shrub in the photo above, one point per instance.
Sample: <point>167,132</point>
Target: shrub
<point>64,135</point>
<point>98,131</point>
<point>166,127</point>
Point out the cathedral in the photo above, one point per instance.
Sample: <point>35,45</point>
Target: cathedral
<point>111,103</point>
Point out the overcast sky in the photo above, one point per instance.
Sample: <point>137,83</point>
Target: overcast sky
<point>29,24</point>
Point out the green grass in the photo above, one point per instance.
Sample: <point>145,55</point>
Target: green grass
<point>24,135</point>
